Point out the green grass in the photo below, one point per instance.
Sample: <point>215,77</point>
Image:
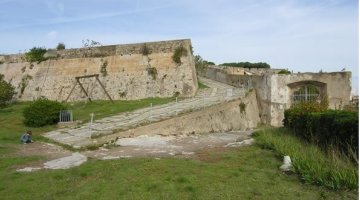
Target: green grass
<point>101,109</point>
<point>245,173</point>
<point>11,119</point>
<point>238,173</point>
<point>313,165</point>
<point>202,85</point>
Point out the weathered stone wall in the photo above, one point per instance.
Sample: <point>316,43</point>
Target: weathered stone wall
<point>337,87</point>
<point>224,117</point>
<point>244,71</point>
<point>274,90</point>
<point>123,69</point>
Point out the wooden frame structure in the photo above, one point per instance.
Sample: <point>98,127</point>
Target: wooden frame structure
<point>83,89</point>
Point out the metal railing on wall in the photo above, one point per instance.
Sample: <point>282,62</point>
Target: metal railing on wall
<point>65,116</point>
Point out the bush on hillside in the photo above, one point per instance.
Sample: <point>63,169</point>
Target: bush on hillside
<point>7,91</point>
<point>42,112</point>
<point>331,129</point>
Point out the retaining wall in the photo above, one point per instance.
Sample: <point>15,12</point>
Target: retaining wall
<point>124,70</point>
<point>218,118</point>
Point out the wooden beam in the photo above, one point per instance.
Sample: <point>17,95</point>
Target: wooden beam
<point>97,78</point>
<point>83,89</point>
<point>87,76</point>
<point>72,89</point>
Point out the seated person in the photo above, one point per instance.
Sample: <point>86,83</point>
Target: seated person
<point>26,137</point>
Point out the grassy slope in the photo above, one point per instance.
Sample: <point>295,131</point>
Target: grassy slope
<point>313,165</point>
<point>11,126</point>
<point>246,173</point>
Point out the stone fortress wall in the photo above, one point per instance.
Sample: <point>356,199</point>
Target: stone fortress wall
<point>125,71</point>
<point>274,91</point>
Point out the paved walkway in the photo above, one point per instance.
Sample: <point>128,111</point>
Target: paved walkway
<point>155,146</point>
<point>82,136</point>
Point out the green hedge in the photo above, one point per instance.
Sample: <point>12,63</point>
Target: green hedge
<point>247,65</point>
<point>328,129</point>
<point>42,112</point>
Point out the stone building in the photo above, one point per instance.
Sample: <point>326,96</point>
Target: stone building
<point>277,92</point>
<point>143,70</point>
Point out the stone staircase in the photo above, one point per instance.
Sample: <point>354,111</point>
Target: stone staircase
<point>84,135</point>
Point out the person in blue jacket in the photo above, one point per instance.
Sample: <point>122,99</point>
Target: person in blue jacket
<point>26,137</point>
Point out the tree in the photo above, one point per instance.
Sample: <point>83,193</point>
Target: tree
<point>7,91</point>
<point>36,54</point>
<point>60,46</point>
<point>200,63</point>
<point>90,43</point>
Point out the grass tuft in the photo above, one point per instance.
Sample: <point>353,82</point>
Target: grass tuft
<point>202,85</point>
<point>313,165</point>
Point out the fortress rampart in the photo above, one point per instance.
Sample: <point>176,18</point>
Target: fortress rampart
<point>125,71</point>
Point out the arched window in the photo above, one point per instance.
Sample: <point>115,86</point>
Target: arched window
<point>306,93</point>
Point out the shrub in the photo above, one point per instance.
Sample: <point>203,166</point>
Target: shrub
<point>60,46</point>
<point>284,71</point>
<point>36,54</point>
<point>145,50</point>
<point>152,71</point>
<point>247,65</point>
<point>242,107</point>
<point>103,67</point>
<point>42,112</point>
<point>332,129</point>
<point>179,52</point>
<point>7,91</point>
<point>24,82</point>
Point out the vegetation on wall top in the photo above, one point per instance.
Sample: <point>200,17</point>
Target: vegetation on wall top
<point>36,54</point>
<point>284,71</point>
<point>90,43</point>
<point>246,65</point>
<point>60,46</point>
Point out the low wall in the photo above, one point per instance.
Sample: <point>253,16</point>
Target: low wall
<point>223,117</point>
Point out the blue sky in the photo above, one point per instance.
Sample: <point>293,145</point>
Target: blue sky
<point>301,35</point>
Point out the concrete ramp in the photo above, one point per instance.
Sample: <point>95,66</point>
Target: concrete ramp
<point>216,108</point>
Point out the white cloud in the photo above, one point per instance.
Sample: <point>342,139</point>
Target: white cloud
<point>52,35</point>
<point>55,7</point>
